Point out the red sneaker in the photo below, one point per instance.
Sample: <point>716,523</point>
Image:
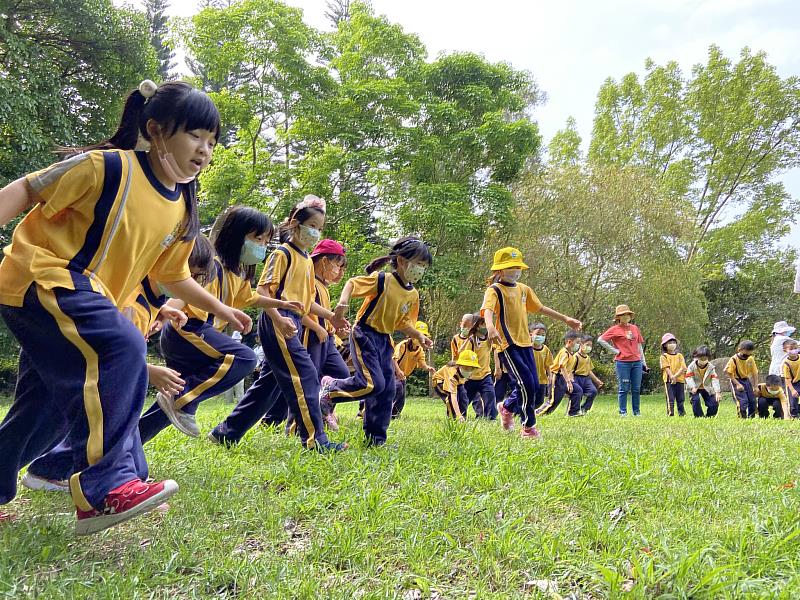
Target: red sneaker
<point>123,503</point>
<point>506,418</point>
<point>531,432</point>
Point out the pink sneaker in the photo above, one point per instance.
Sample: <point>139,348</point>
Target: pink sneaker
<point>506,418</point>
<point>331,421</point>
<point>531,432</point>
<point>325,389</point>
<point>123,503</point>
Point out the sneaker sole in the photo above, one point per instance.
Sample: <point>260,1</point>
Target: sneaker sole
<point>97,524</point>
<point>38,484</point>
<point>168,406</point>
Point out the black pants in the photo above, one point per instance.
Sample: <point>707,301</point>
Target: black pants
<point>675,394</point>
<point>712,406</point>
<point>764,405</point>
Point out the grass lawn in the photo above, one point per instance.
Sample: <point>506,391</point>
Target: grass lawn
<point>601,507</point>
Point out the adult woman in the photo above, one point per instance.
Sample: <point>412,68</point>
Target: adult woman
<point>625,341</point>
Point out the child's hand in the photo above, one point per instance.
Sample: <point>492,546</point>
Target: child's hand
<point>294,306</point>
<point>165,380</point>
<point>285,327</point>
<point>792,391</point>
<point>492,334</point>
<point>693,391</point>
<point>431,370</point>
<point>738,387</point>
<point>338,321</point>
<point>339,312</point>
<point>322,334</point>
<point>425,341</point>
<point>498,373</point>
<point>237,319</point>
<point>574,323</point>
<point>399,375</point>
<point>719,398</point>
<point>672,380</point>
<point>600,384</point>
<point>569,387</point>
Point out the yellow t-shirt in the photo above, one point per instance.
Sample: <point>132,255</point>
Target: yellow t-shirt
<point>322,297</point>
<point>482,348</point>
<point>763,392</point>
<point>447,379</point>
<point>289,275</point>
<point>511,305</point>
<point>564,359</point>
<point>87,227</point>
<point>741,369</point>
<point>791,369</point>
<point>673,362</point>
<point>408,359</point>
<point>388,304</point>
<point>142,306</point>
<point>457,344</point>
<point>231,289</point>
<point>543,358</point>
<point>583,364</point>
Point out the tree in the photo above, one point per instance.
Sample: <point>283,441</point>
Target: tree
<point>337,10</point>
<point>155,10</point>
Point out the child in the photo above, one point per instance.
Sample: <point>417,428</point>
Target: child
<point>448,380</point>
<point>289,276</point>
<point>506,305</point>
<point>564,382</point>
<point>99,223</point>
<point>209,360</point>
<point>479,387</point>
<point>702,381</point>
<point>584,375</point>
<point>408,356</point>
<point>673,373</point>
<point>543,358</point>
<point>770,394</point>
<point>791,375</point>
<point>743,373</point>
<point>391,303</point>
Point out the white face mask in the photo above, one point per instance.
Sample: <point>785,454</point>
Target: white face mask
<point>511,275</point>
<point>307,237</point>
<point>702,362</point>
<point>671,346</point>
<point>414,272</point>
<point>252,253</point>
<point>587,349</point>
<point>774,391</point>
<point>169,164</point>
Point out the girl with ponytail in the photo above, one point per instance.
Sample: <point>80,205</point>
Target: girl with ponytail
<point>391,303</point>
<point>99,223</point>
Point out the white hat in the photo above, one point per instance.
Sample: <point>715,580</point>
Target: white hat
<point>783,327</point>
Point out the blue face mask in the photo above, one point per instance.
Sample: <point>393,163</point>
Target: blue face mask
<point>252,253</point>
<point>538,339</point>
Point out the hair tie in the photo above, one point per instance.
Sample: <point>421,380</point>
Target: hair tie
<point>147,89</point>
<point>311,201</point>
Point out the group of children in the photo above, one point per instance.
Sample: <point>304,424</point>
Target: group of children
<point>110,254</point>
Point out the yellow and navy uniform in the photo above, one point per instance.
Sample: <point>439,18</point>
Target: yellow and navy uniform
<point>322,297</point>
<point>105,223</point>
<point>763,392</point>
<point>673,362</point>
<point>230,288</point>
<point>408,359</point>
<point>457,344</point>
<point>564,360</point>
<point>446,382</point>
<point>289,275</point>
<point>143,305</point>
<point>583,365</point>
<point>511,305</point>
<point>395,307</point>
<point>737,368</point>
<point>482,348</point>
<point>791,369</point>
<point>544,361</point>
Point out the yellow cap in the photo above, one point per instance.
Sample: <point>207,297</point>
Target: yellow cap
<point>508,258</point>
<point>422,327</point>
<point>467,358</point>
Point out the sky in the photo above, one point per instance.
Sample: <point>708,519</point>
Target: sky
<point>572,46</point>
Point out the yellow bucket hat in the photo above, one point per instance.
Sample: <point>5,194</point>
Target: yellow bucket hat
<point>508,258</point>
<point>467,358</point>
<point>422,327</point>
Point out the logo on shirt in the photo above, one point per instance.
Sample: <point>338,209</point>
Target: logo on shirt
<point>170,239</point>
<point>524,297</point>
<point>405,308</point>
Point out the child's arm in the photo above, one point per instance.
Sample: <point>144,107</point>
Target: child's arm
<point>491,331</point>
<point>682,370</point>
<point>284,325</point>
<point>597,381</point>
<point>165,380</point>
<point>398,372</point>
<point>498,370</point>
<point>417,335</point>
<point>572,323</point>
<point>785,406</point>
<point>167,312</point>
<point>344,299</point>
<point>270,302</point>
<point>313,325</point>
<point>193,293</point>
<point>338,322</point>
<point>16,197</point>
<point>754,378</point>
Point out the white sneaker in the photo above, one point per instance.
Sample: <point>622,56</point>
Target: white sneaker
<point>32,482</point>
<point>184,422</point>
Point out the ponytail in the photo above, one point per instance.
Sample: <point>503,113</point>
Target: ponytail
<point>379,263</point>
<point>409,247</point>
<point>493,278</point>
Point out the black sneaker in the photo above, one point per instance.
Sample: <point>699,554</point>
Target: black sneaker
<point>329,447</point>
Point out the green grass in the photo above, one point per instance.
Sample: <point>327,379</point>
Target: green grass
<point>600,507</point>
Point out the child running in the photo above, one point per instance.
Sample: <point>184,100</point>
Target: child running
<point>391,303</point>
<point>673,373</point>
<point>506,305</point>
<point>408,356</point>
<point>478,389</point>
<point>543,357</point>
<point>702,381</point>
<point>564,383</point>
<point>448,381</point>
<point>99,223</point>
<point>584,375</point>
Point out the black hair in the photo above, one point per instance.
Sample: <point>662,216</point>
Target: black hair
<point>175,105</point>
<point>587,338</point>
<point>788,341</point>
<point>701,351</point>
<point>773,380</point>
<point>746,346</point>
<point>409,247</point>
<point>477,321</point>
<point>228,234</point>
<point>571,335</point>
<point>335,258</point>
<point>201,260</point>
<point>302,215</point>
<point>533,326</point>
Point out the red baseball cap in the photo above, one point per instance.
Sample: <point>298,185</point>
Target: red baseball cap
<point>328,247</point>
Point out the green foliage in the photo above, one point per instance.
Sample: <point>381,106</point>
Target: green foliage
<point>159,31</point>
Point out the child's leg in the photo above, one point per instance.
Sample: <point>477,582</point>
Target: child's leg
<point>575,396</point>
<point>500,387</point>
<point>486,391</point>
<point>521,366</point>
<point>541,395</point>
<point>751,398</point>
<point>712,405</point>
<point>399,398</point>
<point>589,392</point>
<point>463,400</point>
<point>92,361</point>
<point>278,411</point>
<point>556,394</point>
<point>378,405</point>
<point>740,397</point>
<point>367,361</point>
<point>777,409</point>
<point>763,407</point>
<point>794,405</point>
<point>680,396</point>
<point>697,408</point>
